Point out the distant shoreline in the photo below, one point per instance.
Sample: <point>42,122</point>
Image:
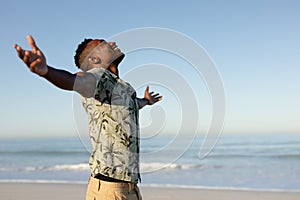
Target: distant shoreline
<point>71,191</point>
<point>165,186</point>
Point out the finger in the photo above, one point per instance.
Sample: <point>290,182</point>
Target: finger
<point>34,64</point>
<point>26,58</point>
<point>155,95</point>
<point>158,98</point>
<point>32,43</point>
<point>19,51</point>
<point>147,89</point>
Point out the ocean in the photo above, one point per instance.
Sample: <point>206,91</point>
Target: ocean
<point>238,161</point>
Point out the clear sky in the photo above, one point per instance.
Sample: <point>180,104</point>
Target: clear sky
<point>254,44</point>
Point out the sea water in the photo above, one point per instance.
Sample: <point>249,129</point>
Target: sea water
<point>257,161</point>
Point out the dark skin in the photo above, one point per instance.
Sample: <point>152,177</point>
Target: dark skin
<point>81,82</point>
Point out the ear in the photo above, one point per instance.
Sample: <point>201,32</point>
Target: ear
<point>94,61</point>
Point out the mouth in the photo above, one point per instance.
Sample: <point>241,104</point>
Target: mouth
<point>116,49</point>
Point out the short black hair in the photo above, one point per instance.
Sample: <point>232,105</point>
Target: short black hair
<point>79,51</point>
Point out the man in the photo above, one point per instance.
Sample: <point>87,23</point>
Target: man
<point>112,108</point>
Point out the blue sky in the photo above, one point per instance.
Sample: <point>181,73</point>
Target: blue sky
<point>254,44</point>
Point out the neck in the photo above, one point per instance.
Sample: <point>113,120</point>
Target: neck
<point>113,69</point>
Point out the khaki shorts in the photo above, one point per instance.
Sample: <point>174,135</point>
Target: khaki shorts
<point>103,190</point>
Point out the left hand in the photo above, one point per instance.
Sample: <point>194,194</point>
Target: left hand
<point>151,97</point>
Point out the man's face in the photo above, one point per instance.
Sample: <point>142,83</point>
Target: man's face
<point>105,52</point>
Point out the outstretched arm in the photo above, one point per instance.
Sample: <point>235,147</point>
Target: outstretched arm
<point>83,83</point>
<point>149,98</point>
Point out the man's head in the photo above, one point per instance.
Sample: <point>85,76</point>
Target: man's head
<point>92,53</point>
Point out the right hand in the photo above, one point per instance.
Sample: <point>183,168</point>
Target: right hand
<point>34,59</point>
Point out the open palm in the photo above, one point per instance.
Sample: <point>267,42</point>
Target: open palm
<point>151,97</point>
<point>34,58</point>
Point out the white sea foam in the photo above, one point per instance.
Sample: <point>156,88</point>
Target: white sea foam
<point>40,181</point>
<point>147,167</point>
<point>70,167</point>
<point>216,188</point>
<point>85,167</point>
<point>75,167</point>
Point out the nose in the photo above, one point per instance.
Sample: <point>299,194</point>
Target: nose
<point>112,43</point>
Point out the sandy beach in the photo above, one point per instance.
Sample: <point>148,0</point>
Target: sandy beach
<point>50,191</point>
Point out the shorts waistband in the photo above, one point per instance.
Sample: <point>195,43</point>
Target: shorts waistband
<point>106,184</point>
<point>108,179</point>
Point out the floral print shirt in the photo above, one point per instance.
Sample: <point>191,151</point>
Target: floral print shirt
<point>113,115</point>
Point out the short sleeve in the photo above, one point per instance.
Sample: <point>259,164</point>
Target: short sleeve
<point>104,85</point>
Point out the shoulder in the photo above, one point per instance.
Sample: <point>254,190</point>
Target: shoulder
<point>103,75</point>
<point>85,83</point>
